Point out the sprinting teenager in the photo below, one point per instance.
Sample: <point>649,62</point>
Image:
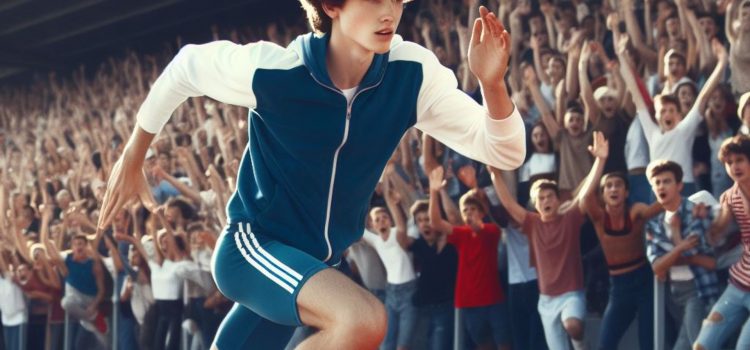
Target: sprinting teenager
<point>326,114</point>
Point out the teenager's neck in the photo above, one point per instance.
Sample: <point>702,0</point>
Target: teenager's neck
<point>673,205</point>
<point>745,187</point>
<point>346,61</point>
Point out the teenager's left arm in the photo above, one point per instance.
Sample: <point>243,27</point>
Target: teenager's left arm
<point>494,135</point>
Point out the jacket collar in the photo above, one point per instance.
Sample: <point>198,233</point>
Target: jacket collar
<point>312,48</point>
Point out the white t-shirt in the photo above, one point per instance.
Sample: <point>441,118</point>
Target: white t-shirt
<point>349,93</point>
<point>676,144</point>
<point>141,299</point>
<point>681,272</point>
<point>398,265</point>
<point>539,163</point>
<point>519,269</point>
<point>166,280</point>
<point>636,146</point>
<point>12,302</point>
<point>371,269</point>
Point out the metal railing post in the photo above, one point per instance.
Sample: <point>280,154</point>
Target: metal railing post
<point>458,331</point>
<point>659,310</point>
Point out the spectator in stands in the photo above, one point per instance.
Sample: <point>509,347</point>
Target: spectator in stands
<point>479,294</point>
<point>437,264</point>
<point>731,310</point>
<point>677,247</point>
<point>666,139</point>
<point>620,230</point>
<point>554,235</point>
<point>523,288</point>
<point>392,245</point>
<point>737,31</point>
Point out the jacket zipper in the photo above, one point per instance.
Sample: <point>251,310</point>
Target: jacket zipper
<point>336,156</point>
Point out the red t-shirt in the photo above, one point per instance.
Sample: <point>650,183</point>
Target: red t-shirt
<point>478,280</point>
<point>556,251</point>
<point>55,314</point>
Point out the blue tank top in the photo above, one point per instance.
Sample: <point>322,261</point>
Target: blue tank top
<point>81,275</point>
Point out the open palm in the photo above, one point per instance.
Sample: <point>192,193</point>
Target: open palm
<point>489,49</point>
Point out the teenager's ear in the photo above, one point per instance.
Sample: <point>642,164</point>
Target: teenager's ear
<point>331,10</point>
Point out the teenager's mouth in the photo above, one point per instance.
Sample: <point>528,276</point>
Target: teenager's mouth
<point>668,123</point>
<point>385,32</point>
<point>547,209</point>
<point>662,195</point>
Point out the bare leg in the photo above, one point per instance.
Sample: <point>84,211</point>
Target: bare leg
<point>347,316</point>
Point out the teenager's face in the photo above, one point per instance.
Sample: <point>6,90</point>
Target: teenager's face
<point>555,69</point>
<point>381,221</point>
<point>668,116</point>
<point>709,26</point>
<point>738,167</point>
<point>369,24</point>
<point>78,247</point>
<point>676,68</point>
<point>574,123</point>
<point>673,26</point>
<point>745,18</point>
<point>540,139</point>
<point>546,202</point>
<point>172,214</point>
<point>608,105</point>
<point>471,214</point>
<point>665,187</point>
<point>686,95</point>
<point>716,102</point>
<point>614,192</point>
<point>24,272</point>
<point>422,219</point>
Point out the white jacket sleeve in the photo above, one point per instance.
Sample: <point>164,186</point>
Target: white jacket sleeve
<point>221,70</point>
<point>453,118</point>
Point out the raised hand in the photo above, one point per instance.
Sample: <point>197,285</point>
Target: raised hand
<point>489,49</point>
<point>600,147</point>
<point>437,182</point>
<point>718,49</point>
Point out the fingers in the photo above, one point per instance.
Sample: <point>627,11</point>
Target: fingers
<point>476,33</point>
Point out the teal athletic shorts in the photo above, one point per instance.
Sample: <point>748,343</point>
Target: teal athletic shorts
<point>263,277</point>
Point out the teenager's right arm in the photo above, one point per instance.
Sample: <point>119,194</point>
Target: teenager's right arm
<point>220,70</point>
<point>516,211</point>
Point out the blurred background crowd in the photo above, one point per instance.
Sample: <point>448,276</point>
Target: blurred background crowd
<point>61,132</point>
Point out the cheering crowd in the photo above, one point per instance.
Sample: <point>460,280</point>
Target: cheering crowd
<point>638,165</point>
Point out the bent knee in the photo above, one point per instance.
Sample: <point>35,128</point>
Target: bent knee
<point>697,346</point>
<point>574,328</point>
<point>368,318</point>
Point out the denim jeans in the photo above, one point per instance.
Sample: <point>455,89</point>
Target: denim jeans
<point>526,329</point>
<point>688,310</point>
<point>629,294</point>
<point>13,337</point>
<point>733,307</point>
<point>402,315</point>
<point>478,320</point>
<point>434,329</point>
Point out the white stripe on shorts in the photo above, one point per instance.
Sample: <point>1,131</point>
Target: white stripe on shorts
<point>259,267</point>
<point>265,262</point>
<point>270,257</point>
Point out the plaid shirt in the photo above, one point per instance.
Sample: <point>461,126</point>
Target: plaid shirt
<point>659,244</point>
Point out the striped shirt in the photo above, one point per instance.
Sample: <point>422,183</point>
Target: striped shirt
<point>739,273</point>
